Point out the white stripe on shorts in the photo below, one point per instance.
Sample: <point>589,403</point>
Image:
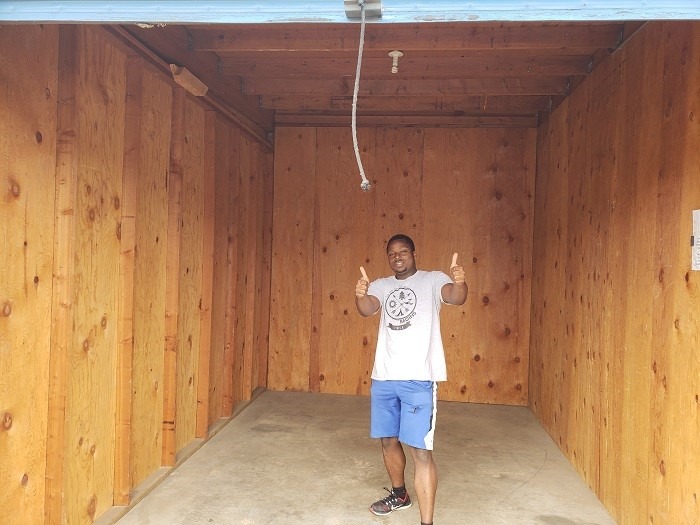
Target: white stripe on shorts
<point>431,433</point>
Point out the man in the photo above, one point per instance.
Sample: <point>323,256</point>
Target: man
<point>408,363</point>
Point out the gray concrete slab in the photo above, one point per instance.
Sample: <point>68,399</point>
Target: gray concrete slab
<point>294,458</point>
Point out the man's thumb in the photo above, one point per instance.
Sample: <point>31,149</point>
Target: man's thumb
<point>364,273</point>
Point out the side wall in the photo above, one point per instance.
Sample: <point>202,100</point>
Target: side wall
<point>615,348</point>
<point>124,204</point>
<point>468,191</point>
<point>28,84</point>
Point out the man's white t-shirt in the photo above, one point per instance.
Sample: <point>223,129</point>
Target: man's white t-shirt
<point>409,345</point>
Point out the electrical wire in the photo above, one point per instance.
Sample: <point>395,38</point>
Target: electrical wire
<point>365,185</point>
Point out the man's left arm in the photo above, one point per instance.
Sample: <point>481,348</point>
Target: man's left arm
<point>455,292</point>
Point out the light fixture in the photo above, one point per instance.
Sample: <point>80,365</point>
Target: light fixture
<point>395,55</point>
<point>187,80</point>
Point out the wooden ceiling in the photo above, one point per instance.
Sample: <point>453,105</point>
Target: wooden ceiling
<point>451,74</point>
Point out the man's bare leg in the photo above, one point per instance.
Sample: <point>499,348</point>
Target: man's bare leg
<point>394,460</point>
<point>425,481</point>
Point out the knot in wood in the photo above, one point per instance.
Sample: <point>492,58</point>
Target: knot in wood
<point>6,421</point>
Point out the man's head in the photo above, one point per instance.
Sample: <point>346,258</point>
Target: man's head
<point>401,254</point>
<point>401,237</point>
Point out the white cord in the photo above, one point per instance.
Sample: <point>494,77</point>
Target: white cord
<point>365,185</point>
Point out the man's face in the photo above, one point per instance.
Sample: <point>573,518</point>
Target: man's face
<point>402,260</point>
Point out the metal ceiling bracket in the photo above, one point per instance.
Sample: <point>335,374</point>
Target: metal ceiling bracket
<point>373,8</point>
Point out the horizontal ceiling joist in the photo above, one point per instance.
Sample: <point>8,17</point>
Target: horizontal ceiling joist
<point>326,11</point>
<point>441,121</point>
<point>468,104</point>
<point>393,86</point>
<point>467,66</point>
<point>339,38</point>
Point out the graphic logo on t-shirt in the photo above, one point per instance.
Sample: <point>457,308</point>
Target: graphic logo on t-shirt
<point>401,306</point>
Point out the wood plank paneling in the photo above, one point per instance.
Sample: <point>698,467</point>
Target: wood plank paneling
<point>493,240</point>
<point>125,326</point>
<point>250,340</point>
<point>91,362</point>
<point>644,151</point>
<point>422,180</point>
<point>610,99</point>
<point>64,244</point>
<point>483,104</point>
<point>413,87</point>
<point>100,340</point>
<point>222,169</point>
<point>256,162</point>
<point>190,280</point>
<point>243,264</point>
<point>28,95</point>
<point>577,245</point>
<point>478,63</point>
<point>149,287</point>
<point>342,228</point>
<point>236,238</point>
<point>292,255</point>
<point>249,270</point>
<point>172,275</point>
<point>263,328</point>
<point>304,38</point>
<point>447,69</point>
<point>393,120</point>
<point>615,308</point>
<point>674,472</point>
<point>548,210</point>
<point>683,412</point>
<point>208,232</point>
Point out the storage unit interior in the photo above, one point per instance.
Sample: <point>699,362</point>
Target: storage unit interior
<point>167,255</point>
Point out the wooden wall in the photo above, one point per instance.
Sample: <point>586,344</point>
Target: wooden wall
<point>125,204</point>
<point>452,190</point>
<point>615,348</point>
<point>28,84</point>
<point>145,258</point>
<point>145,192</point>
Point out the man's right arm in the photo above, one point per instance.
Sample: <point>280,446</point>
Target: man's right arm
<point>366,304</point>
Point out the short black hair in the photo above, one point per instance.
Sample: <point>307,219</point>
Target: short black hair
<point>401,237</point>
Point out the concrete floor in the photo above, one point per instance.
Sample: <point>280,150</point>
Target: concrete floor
<point>294,458</point>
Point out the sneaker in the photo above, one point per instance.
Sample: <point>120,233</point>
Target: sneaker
<point>391,503</point>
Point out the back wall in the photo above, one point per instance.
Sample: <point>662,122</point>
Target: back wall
<point>468,191</point>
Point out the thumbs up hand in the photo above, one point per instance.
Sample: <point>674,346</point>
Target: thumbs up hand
<point>457,271</point>
<point>362,284</point>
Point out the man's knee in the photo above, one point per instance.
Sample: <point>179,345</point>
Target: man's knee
<point>390,442</point>
<point>421,455</point>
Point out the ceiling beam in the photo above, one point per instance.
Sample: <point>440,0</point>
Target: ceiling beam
<point>521,105</point>
<point>383,53</point>
<point>338,38</point>
<point>481,64</point>
<point>532,85</point>
<point>440,121</point>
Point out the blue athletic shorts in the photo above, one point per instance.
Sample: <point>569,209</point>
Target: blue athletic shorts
<point>404,409</point>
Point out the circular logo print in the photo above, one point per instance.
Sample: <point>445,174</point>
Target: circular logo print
<point>400,303</point>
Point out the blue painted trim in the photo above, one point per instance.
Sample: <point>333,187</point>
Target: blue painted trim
<point>324,11</point>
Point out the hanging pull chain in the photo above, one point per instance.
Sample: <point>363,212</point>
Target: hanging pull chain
<point>365,185</point>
